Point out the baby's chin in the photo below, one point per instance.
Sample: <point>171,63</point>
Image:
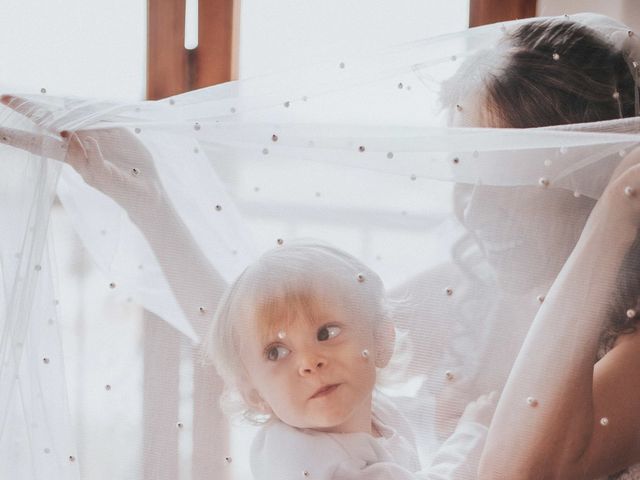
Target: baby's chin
<point>321,423</point>
<point>327,423</point>
<point>336,412</point>
<point>321,420</point>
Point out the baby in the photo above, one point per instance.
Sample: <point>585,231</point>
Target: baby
<point>298,337</point>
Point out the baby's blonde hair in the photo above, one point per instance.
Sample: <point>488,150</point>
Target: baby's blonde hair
<point>297,276</point>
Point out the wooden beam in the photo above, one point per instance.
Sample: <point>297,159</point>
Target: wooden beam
<point>161,399</point>
<point>211,433</point>
<point>172,69</point>
<point>483,12</point>
<point>167,68</point>
<point>214,55</point>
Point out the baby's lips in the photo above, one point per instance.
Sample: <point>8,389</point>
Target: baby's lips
<point>6,99</point>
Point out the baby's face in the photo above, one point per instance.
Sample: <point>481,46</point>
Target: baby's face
<point>315,371</point>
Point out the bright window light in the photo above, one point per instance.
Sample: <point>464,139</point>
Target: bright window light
<point>191,24</point>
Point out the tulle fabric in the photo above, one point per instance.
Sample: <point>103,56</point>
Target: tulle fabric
<point>468,228</point>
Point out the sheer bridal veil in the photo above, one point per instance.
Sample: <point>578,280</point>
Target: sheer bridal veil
<point>123,225</point>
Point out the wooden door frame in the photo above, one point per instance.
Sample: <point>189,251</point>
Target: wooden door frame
<point>483,12</point>
<point>171,68</point>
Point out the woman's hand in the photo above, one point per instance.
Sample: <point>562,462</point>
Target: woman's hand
<point>111,160</point>
<point>114,161</point>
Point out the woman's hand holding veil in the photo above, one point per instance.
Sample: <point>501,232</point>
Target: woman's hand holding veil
<point>104,157</point>
<point>115,162</point>
<point>581,422</point>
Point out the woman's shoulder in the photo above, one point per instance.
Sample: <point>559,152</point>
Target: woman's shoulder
<point>616,393</point>
<point>625,349</point>
<point>629,340</point>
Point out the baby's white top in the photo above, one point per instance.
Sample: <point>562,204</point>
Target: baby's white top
<point>282,452</point>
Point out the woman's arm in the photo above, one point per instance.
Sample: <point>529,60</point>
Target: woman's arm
<point>194,281</point>
<point>558,417</point>
<point>106,159</point>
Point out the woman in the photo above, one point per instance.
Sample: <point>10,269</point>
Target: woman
<point>581,423</point>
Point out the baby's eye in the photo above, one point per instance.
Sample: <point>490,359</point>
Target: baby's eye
<point>327,332</point>
<point>277,353</point>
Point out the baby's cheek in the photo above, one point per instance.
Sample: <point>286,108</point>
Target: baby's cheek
<point>291,412</point>
<point>364,369</point>
<point>283,390</point>
<point>268,383</point>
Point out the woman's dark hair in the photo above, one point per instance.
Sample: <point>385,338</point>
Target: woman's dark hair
<point>559,72</point>
<point>625,307</point>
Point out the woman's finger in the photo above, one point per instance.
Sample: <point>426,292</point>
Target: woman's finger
<point>39,113</point>
<point>43,145</point>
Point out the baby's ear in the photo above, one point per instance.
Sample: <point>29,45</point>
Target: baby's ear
<point>253,399</point>
<point>385,338</point>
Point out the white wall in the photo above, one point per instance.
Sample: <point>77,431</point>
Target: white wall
<point>279,34</point>
<point>74,47</point>
<point>97,48</point>
<point>93,48</point>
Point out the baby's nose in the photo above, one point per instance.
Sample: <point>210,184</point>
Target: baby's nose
<point>311,364</point>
